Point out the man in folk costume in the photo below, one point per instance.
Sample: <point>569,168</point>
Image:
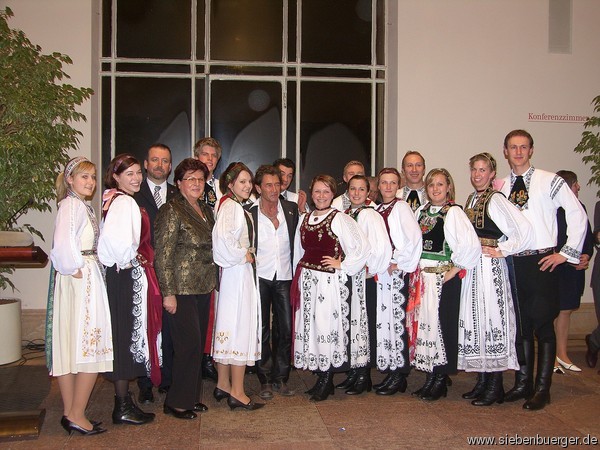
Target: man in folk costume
<point>538,194</point>
<point>413,169</point>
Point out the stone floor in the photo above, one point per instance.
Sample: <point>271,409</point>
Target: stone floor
<point>343,421</point>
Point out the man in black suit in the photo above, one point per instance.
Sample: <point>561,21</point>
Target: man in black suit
<point>154,192</point>
<point>275,221</point>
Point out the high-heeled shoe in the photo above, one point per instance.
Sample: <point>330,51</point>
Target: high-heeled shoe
<point>250,406</point>
<point>185,414</point>
<point>72,426</point>
<point>220,394</point>
<point>94,423</point>
<point>572,367</point>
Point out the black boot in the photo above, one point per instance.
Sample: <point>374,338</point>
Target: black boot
<point>127,412</point>
<point>482,378</point>
<point>397,383</point>
<point>494,391</point>
<point>384,383</point>
<point>523,388</point>
<point>311,391</point>
<point>209,371</point>
<point>323,388</point>
<point>543,379</point>
<point>349,381</point>
<point>424,390</point>
<point>439,388</point>
<point>363,382</point>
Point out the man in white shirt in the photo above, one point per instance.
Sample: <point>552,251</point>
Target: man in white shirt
<point>208,150</point>
<point>538,194</point>
<point>413,169</point>
<point>275,221</point>
<point>342,202</point>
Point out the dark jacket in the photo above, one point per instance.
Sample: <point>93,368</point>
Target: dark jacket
<point>183,248</point>
<point>145,199</point>
<point>290,210</point>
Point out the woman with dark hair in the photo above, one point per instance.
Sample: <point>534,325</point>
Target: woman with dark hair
<point>329,248</point>
<point>487,324</point>
<point>450,245</point>
<point>79,338</point>
<point>133,293</point>
<point>238,328</point>
<point>187,275</point>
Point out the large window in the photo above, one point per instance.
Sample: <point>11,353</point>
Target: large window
<point>303,79</point>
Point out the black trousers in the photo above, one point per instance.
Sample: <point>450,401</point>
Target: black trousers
<point>449,311</point>
<point>188,330</point>
<point>538,299</point>
<point>275,361</point>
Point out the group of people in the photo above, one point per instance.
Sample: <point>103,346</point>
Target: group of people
<point>248,272</point>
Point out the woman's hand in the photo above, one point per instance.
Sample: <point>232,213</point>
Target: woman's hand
<point>78,274</point>
<point>170,304</point>
<point>332,263</point>
<point>392,268</point>
<point>249,257</point>
<point>584,262</point>
<point>492,252</point>
<point>451,274</point>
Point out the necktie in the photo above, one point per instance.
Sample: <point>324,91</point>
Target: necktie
<point>413,200</point>
<point>518,193</point>
<point>157,197</point>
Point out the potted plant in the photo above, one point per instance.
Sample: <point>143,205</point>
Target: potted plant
<point>589,145</point>
<point>37,110</point>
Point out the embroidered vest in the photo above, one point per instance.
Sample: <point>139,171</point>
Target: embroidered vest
<point>318,241</point>
<point>479,216</point>
<point>435,246</point>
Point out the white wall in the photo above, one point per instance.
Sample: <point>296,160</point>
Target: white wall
<point>470,71</point>
<point>63,26</point>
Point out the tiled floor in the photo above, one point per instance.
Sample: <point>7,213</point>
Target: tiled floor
<point>343,421</point>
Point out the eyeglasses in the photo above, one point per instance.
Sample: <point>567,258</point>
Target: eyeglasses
<point>194,180</point>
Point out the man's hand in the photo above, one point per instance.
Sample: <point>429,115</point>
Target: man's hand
<point>551,262</point>
<point>302,201</point>
<point>584,262</point>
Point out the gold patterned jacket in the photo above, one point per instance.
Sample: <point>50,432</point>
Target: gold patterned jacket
<point>183,248</point>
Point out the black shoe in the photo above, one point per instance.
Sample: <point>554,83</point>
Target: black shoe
<point>523,388</point>
<point>482,379</point>
<point>324,387</point>
<point>385,381</point>
<point>493,393</point>
<point>127,412</point>
<point>363,382</point>
<point>424,390</point>
<point>72,426</point>
<point>250,406</point>
<point>200,407</point>
<point>220,394</point>
<point>543,379</point>
<point>438,389</point>
<point>163,389</point>
<point>538,401</point>
<point>93,422</point>
<point>283,389</point>
<point>185,414</point>
<point>311,391</point>
<point>209,371</point>
<point>397,383</point>
<point>266,391</point>
<point>351,377</point>
<point>146,396</point>
<point>591,355</point>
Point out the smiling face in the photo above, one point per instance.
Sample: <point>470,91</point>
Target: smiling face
<point>388,186</point>
<point>351,170</point>
<point>414,170</point>
<point>83,183</point>
<point>209,156</point>
<point>438,189</point>
<point>129,181</point>
<point>322,195</point>
<point>242,186</point>
<point>518,152</point>
<point>358,192</point>
<point>158,164</point>
<point>191,185</point>
<point>287,175</point>
<point>481,175</point>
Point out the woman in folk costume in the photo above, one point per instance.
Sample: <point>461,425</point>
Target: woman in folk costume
<point>450,245</point>
<point>487,325</point>
<point>364,287</point>
<point>237,332</point>
<point>79,338</point>
<point>329,248</point>
<point>133,293</point>
<point>392,284</point>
